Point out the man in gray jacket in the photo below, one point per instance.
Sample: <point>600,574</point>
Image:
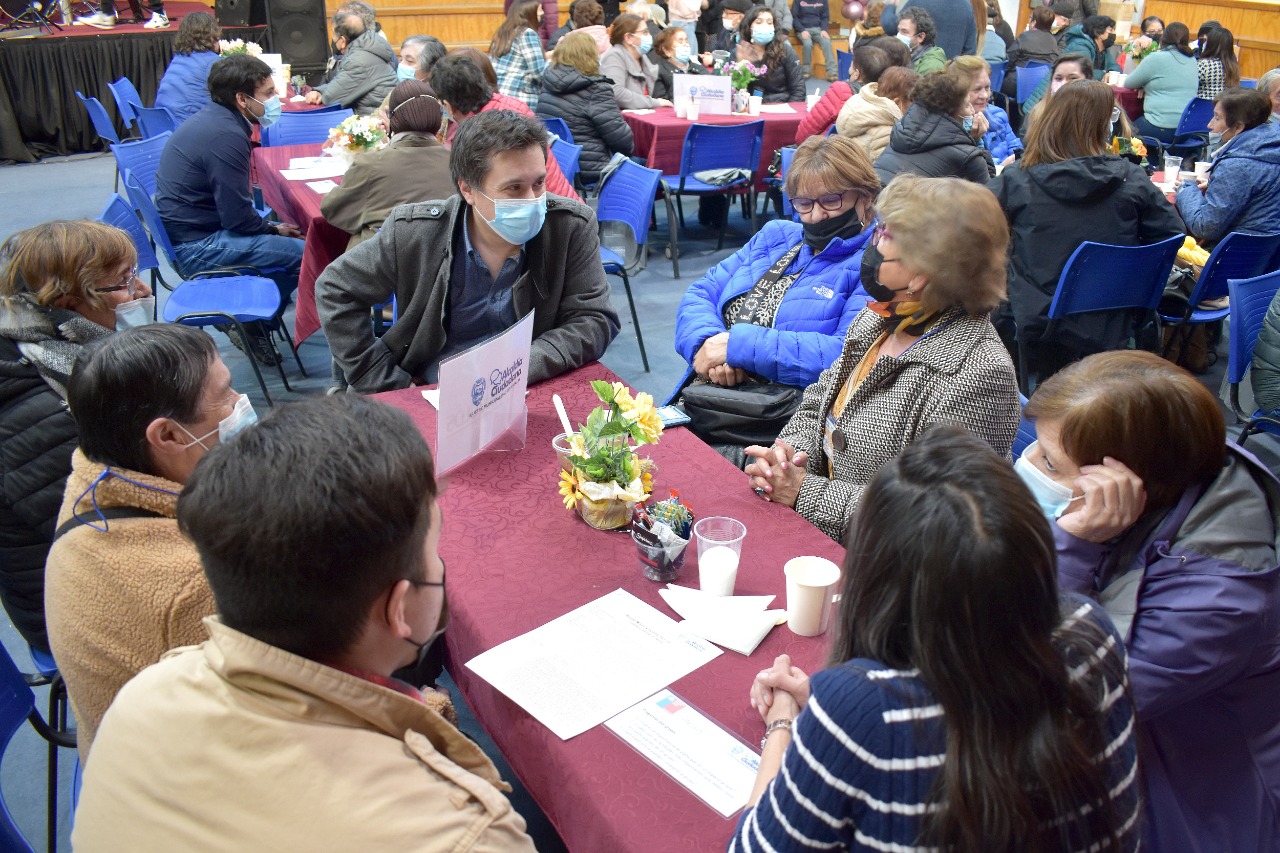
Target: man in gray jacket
<point>468,267</point>
<point>365,76</point>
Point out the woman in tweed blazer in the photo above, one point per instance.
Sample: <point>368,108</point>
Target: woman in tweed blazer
<point>925,353</point>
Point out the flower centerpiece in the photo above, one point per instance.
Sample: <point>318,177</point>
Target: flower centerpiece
<point>356,135</point>
<point>606,478</point>
<point>741,75</point>
<point>234,46</point>
<point>1131,148</point>
<point>1139,49</point>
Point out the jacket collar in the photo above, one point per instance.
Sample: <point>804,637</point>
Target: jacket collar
<point>119,487</point>
<point>312,692</point>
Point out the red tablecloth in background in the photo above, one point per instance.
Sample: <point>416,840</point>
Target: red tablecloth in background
<point>517,559</point>
<point>659,135</point>
<point>297,203</point>
<point>1129,101</point>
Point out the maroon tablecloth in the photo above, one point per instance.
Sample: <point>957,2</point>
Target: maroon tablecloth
<point>297,203</point>
<point>1129,101</point>
<point>517,559</point>
<point>659,135</point>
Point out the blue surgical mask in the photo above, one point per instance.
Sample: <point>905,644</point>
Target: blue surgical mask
<point>904,39</point>
<point>646,43</point>
<point>967,123</point>
<point>1052,496</point>
<point>241,416</point>
<point>683,53</point>
<point>271,111</point>
<point>762,35</point>
<point>405,72</point>
<point>517,220</point>
<point>139,312</point>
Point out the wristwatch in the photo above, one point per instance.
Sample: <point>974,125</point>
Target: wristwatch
<point>783,723</point>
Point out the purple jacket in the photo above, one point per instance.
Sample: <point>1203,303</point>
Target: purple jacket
<point>1198,599</point>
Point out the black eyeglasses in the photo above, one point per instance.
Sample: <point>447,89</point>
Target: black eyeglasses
<point>127,284</point>
<point>828,202</point>
<point>439,583</point>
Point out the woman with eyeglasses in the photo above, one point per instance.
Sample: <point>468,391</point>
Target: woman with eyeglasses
<point>1067,189</point>
<point>62,285</point>
<point>922,352</point>
<point>777,309</point>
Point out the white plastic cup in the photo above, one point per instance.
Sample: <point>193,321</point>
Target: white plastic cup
<point>1202,168</point>
<point>811,100</point>
<point>1172,166</point>
<point>1121,80</point>
<point>753,105</point>
<point>681,104</point>
<point>719,550</point>
<point>691,110</point>
<point>811,584</point>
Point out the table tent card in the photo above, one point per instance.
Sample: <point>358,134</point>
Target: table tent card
<point>482,405</point>
<point>714,93</point>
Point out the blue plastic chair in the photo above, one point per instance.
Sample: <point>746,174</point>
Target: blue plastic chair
<point>567,155</point>
<point>302,127</point>
<point>121,214</point>
<point>142,158</point>
<point>844,65</point>
<point>155,121</point>
<point>18,704</point>
<point>1236,256</point>
<point>222,297</point>
<point>335,107</point>
<point>102,125</point>
<point>558,126</point>
<point>1250,299</point>
<point>1026,434</point>
<point>1102,277</point>
<point>1191,137</point>
<point>1248,82</point>
<point>1030,76</point>
<point>627,197</point>
<point>998,70</point>
<point>127,99</point>
<point>711,147</point>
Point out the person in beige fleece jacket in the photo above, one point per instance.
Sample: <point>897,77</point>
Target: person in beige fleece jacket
<point>868,117</point>
<point>122,585</point>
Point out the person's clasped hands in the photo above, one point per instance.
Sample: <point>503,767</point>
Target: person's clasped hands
<point>780,692</point>
<point>710,362</point>
<point>777,472</point>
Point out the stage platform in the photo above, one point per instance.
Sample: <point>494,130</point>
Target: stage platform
<point>40,115</point>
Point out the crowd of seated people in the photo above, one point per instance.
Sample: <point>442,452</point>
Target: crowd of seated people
<point>1116,601</point>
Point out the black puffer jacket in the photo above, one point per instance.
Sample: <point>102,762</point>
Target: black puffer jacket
<point>37,437</point>
<point>1265,373</point>
<point>1054,207</point>
<point>933,145</point>
<point>588,106</point>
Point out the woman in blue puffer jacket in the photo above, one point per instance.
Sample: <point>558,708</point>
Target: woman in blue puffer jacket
<point>184,88</point>
<point>733,324</point>
<point>991,128</point>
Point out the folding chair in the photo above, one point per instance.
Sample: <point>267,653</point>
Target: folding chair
<point>155,121</point>
<point>121,214</point>
<point>303,127</point>
<point>557,126</point>
<point>127,100</point>
<point>710,147</point>
<point>18,704</point>
<point>1250,299</point>
<point>142,158</point>
<point>214,297</point>
<point>1237,256</point>
<point>627,199</point>
<point>567,155</point>
<point>1102,277</point>
<point>1030,76</point>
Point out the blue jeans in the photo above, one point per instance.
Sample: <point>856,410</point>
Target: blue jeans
<point>824,41</point>
<point>1146,128</point>
<point>278,257</point>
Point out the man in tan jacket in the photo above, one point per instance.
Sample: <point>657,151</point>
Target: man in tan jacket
<point>122,585</point>
<point>319,533</point>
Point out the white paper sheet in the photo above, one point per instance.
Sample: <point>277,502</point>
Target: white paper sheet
<point>432,396</point>
<point>579,670</point>
<point>776,108</point>
<point>297,99</point>
<point>736,622</point>
<point>322,187</point>
<point>689,747</point>
<point>329,167</point>
<point>307,162</point>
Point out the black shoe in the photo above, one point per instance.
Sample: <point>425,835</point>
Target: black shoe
<point>260,347</point>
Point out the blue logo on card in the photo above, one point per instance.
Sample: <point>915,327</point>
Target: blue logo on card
<point>477,392</point>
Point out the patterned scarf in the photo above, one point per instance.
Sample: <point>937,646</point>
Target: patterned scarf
<point>910,318</point>
<point>51,338</point>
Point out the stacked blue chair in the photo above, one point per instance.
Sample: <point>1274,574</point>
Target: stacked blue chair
<point>709,148</point>
<point>127,99</point>
<point>142,158</point>
<point>1250,299</point>
<point>1102,277</point>
<point>102,124</point>
<point>303,127</point>
<point>155,121</point>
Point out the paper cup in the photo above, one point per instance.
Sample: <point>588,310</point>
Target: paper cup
<point>811,583</point>
<point>691,110</point>
<point>753,105</point>
<point>1202,169</point>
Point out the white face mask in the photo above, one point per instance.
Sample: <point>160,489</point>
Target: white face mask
<point>138,312</point>
<point>1053,497</point>
<point>241,416</point>
<point>905,39</point>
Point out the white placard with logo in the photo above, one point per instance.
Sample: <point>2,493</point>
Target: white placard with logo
<point>713,92</point>
<point>482,405</point>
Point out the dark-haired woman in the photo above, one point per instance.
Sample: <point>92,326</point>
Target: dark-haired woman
<point>1168,79</point>
<point>184,89</point>
<point>965,705</point>
<point>517,53</point>
<point>675,56</point>
<point>1175,532</point>
<point>760,43</point>
<point>1217,65</point>
<point>933,137</point>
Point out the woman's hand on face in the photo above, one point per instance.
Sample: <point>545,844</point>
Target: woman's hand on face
<point>980,125</point>
<point>1114,498</point>
<point>713,353</point>
<point>778,470</point>
<point>780,691</point>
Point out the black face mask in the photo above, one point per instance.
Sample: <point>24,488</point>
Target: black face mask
<point>870,275</point>
<point>1108,41</point>
<point>819,234</point>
